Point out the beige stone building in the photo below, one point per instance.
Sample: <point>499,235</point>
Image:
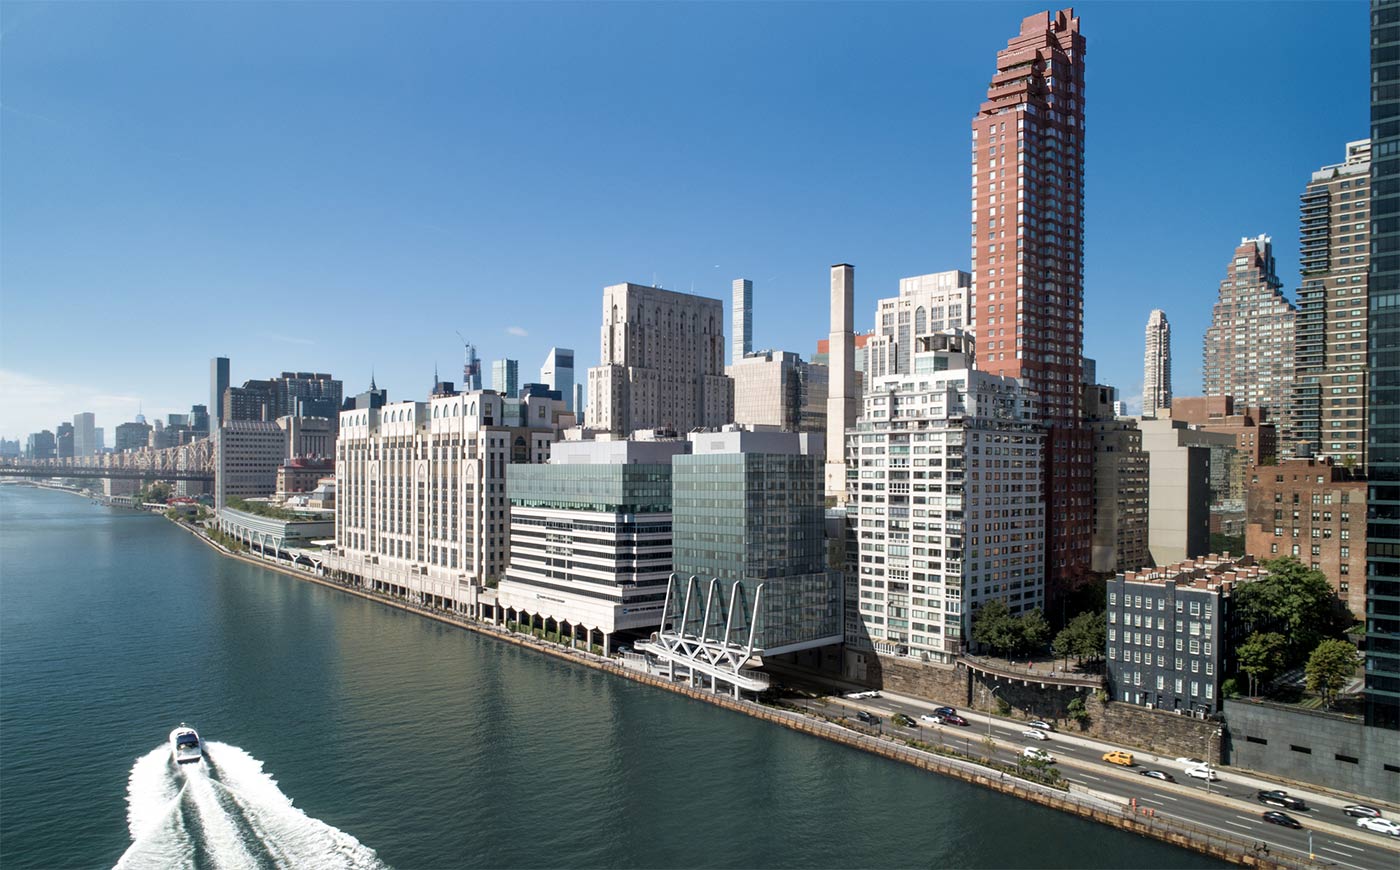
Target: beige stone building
<point>1121,482</point>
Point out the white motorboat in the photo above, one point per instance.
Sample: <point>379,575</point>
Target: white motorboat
<point>185,745</point>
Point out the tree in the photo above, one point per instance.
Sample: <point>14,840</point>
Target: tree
<point>1329,668</point>
<point>1033,630</point>
<point>1261,655</point>
<point>994,627</point>
<point>1294,601</point>
<point>1084,638</point>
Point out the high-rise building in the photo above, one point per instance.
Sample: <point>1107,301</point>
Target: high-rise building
<point>926,304</point>
<point>100,438</point>
<point>662,363</point>
<point>505,377</point>
<point>1121,481</point>
<point>743,319</point>
<point>421,509</point>
<point>247,454</point>
<point>199,420</point>
<point>1181,461</point>
<point>946,477</point>
<point>40,445</point>
<point>1157,365</point>
<point>1248,348</point>
<point>292,392</point>
<point>218,383</point>
<point>1383,442</point>
<point>580,402</point>
<point>253,402</point>
<point>63,441</point>
<point>84,434</point>
<point>1028,261</point>
<point>778,388</point>
<point>558,374</point>
<point>1255,437</point>
<point>132,436</point>
<point>843,396</point>
<point>471,368</point>
<point>1329,379</point>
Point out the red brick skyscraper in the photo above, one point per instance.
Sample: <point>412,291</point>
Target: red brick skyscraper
<point>1028,263</point>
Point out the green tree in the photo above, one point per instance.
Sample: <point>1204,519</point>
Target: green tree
<point>1077,711</point>
<point>994,627</point>
<point>1262,654</point>
<point>1329,667</point>
<point>1033,630</point>
<point>1293,600</point>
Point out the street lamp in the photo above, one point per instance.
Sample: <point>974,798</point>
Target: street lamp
<point>989,714</point>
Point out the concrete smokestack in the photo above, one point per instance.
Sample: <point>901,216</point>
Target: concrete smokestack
<point>841,390</point>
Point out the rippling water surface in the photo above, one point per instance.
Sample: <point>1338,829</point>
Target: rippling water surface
<point>344,734</point>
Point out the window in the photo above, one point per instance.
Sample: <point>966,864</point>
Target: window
<point>1347,758</point>
<point>1252,739</point>
<point>1303,749</point>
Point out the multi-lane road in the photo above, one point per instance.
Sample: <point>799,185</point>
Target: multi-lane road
<point>1228,806</point>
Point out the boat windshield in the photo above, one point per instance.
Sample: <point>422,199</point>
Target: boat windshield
<point>187,740</point>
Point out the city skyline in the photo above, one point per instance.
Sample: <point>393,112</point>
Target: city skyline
<point>906,216</point>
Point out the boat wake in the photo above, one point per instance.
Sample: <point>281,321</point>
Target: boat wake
<point>226,812</point>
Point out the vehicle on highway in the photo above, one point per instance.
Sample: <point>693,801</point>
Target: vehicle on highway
<point>955,719</point>
<point>1042,725</point>
<point>1191,762</point>
<point>1280,798</point>
<point>1034,734</point>
<point>1277,818</point>
<point>1038,754</point>
<point>904,720</point>
<point>1120,757</point>
<point>1202,772</point>
<point>1380,826</point>
<point>867,718</point>
<point>1362,810</point>
<point>931,719</point>
<point>623,649</point>
<point>1159,774</point>
<point>860,696</point>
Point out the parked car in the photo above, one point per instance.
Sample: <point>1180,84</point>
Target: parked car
<point>1038,754</point>
<point>955,719</point>
<point>945,711</point>
<point>1034,734</point>
<point>1277,818</point>
<point>1043,726</point>
<point>1362,811</point>
<point>1191,762</point>
<point>1279,798</point>
<point>1119,757</point>
<point>1202,772</point>
<point>866,717</point>
<point>931,719</point>
<point>1159,774</point>
<point>1380,826</point>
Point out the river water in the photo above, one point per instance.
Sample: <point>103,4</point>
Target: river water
<point>347,734</point>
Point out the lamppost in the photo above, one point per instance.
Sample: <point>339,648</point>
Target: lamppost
<point>1210,769</point>
<point>989,714</point>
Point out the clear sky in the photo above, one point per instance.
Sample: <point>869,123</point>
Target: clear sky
<point>342,186</point>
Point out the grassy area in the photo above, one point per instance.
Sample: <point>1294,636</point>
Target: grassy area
<point>261,509</point>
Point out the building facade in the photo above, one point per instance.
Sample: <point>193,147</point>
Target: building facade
<point>1255,438</point>
<point>1172,633</point>
<point>843,391</point>
<point>247,454</point>
<point>590,536</point>
<point>742,311</point>
<point>1383,439</point>
<point>1028,261</point>
<point>132,436</point>
<point>1329,389</point>
<point>505,377</point>
<point>1248,348</point>
<point>558,374</point>
<point>1121,484</point>
<point>779,389</point>
<point>1180,494</point>
<point>41,445</point>
<point>422,511</point>
<point>926,304</point>
<point>218,384</point>
<point>662,363</point>
<point>945,485</point>
<point>1157,365</point>
<point>1315,511</point>
<point>84,434</point>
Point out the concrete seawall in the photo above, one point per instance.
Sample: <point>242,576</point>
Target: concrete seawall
<point>1086,805</point>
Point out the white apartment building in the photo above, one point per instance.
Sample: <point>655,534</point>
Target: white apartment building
<point>421,493</point>
<point>926,304</point>
<point>1157,364</point>
<point>946,485</point>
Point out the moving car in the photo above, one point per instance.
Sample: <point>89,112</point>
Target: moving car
<point>1380,826</point>
<point>1279,798</point>
<point>1191,762</point>
<point>1034,734</point>
<point>185,746</point>
<point>904,720</point>
<point>945,711</point>
<point>1043,726</point>
<point>1035,752</point>
<point>931,719</point>
<point>1277,818</point>
<point>955,719</point>
<point>1159,774</point>
<point>1118,756</point>
<point>860,696</point>
<point>1362,811</point>
<point>1202,772</point>
<point>867,718</point>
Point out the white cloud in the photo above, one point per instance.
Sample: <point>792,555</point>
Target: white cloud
<point>517,331</point>
<point>285,339</point>
<point>31,404</point>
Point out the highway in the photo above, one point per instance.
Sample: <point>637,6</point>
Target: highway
<point>1229,807</point>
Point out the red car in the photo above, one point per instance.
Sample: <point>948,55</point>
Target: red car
<point>954,719</point>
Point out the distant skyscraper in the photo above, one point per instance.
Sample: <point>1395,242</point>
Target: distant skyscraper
<point>218,383</point>
<point>842,403</point>
<point>1248,349</point>
<point>1383,448</point>
<point>580,402</point>
<point>1331,340</point>
<point>558,373</point>
<point>505,377</point>
<point>84,434</point>
<point>471,368</point>
<point>926,304</point>
<point>662,362</point>
<point>100,438</point>
<point>1027,261</point>
<point>743,319</point>
<point>1157,366</point>
<point>40,445</point>
<point>63,441</point>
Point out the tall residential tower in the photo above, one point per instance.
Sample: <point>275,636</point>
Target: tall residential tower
<point>1157,365</point>
<point>1028,261</point>
<point>743,319</point>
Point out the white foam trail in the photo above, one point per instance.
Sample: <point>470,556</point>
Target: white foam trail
<point>229,813</point>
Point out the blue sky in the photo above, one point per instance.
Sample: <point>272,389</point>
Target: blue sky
<point>341,187</point>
